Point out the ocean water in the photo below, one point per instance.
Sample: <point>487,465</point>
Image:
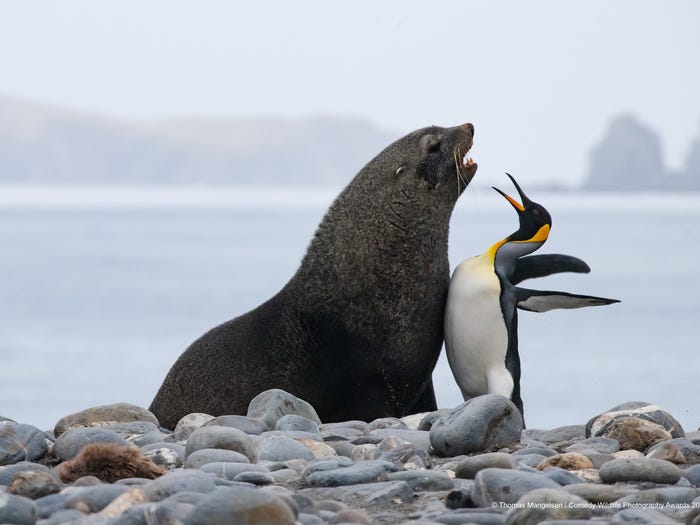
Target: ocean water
<point>102,288</point>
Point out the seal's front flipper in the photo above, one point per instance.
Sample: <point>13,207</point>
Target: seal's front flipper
<point>543,301</point>
<point>535,266</point>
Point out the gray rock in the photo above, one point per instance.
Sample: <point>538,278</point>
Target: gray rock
<point>471,516</point>
<point>493,485</point>
<point>361,472</point>
<point>363,495</point>
<point>429,419</point>
<point>51,504</point>
<point>190,423</point>
<point>168,455</point>
<point>690,451</point>
<point>295,422</point>
<point>17,510</point>
<point>598,493</point>
<point>600,444</point>
<point>282,448</point>
<point>227,470</point>
<point>639,469</point>
<point>220,437</point>
<point>418,438</point>
<point>94,499</point>
<point>392,423</point>
<point>547,504</point>
<point>469,467</point>
<point>671,495</point>
<point>597,458</point>
<point>165,512</point>
<point>530,460</point>
<point>423,480</point>
<point>104,415</point>
<point>693,475</point>
<point>139,433</point>
<point>20,442</point>
<point>69,443</point>
<point>640,515</point>
<point>256,478</point>
<point>666,450</point>
<point>542,451</point>
<point>332,428</point>
<point>63,516</point>
<point>562,476</point>
<point>34,484</point>
<point>245,424</point>
<point>242,506</point>
<point>562,437</point>
<point>598,425</point>
<point>342,448</point>
<point>271,405</point>
<point>178,481</point>
<point>481,423</point>
<point>8,472</point>
<point>214,455</point>
<point>331,463</point>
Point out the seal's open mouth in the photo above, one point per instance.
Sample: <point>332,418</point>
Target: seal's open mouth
<point>464,164</point>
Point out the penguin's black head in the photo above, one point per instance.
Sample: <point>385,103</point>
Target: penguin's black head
<point>535,221</point>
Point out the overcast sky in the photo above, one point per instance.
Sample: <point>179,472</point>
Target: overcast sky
<point>539,79</point>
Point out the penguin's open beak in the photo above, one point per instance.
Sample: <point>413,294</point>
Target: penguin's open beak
<point>518,207</point>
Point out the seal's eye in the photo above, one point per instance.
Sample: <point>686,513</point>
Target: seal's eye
<point>400,169</point>
<point>430,143</point>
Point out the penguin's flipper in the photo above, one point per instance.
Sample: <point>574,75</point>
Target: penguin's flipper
<point>534,266</point>
<point>543,301</point>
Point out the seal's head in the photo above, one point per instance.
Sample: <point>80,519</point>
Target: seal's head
<point>432,161</point>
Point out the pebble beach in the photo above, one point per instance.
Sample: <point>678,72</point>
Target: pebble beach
<point>279,464</point>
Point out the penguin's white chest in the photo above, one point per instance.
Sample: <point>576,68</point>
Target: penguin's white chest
<point>476,336</point>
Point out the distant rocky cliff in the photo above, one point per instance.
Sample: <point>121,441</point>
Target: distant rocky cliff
<point>44,144</point>
<point>629,158</point>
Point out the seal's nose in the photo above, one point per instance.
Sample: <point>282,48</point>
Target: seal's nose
<point>469,128</point>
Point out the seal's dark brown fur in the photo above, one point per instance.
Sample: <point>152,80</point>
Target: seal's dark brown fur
<point>358,329</point>
<point>108,462</point>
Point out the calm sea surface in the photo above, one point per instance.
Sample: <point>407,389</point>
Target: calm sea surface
<point>102,289</point>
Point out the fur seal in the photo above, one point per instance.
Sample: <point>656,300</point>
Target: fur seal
<point>357,330</point>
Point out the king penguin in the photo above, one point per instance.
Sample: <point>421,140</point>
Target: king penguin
<point>481,323</point>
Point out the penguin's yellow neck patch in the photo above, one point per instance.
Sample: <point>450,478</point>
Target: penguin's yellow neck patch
<point>540,236</point>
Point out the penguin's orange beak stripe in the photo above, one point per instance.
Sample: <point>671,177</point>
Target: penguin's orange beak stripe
<point>515,203</point>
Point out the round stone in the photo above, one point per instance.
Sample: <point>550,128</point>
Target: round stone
<point>693,475</point>
<point>597,426</point>
<point>423,480</point>
<point>270,405</point>
<point>295,422</point>
<point>221,437</point>
<point>20,442</point>
<point>318,448</point>
<point>470,467</point>
<point>599,493</point>
<point>242,506</point>
<point>189,480</point>
<point>562,437</point>
<point>139,433</point>
<point>69,443</point>
<point>548,504</point>
<point>640,469</point>
<point>361,472</point>
<point>9,472</point>
<point>229,471</point>
<point>476,425</point>
<point>167,455</point>
<point>94,499</point>
<point>282,448</point>
<point>494,485</point>
<point>667,450</point>
<point>635,433</point>
<point>245,424</point>
<point>105,415</point>
<point>214,455</point>
<point>567,461</point>
<point>189,424</point>
<point>34,484</point>
<point>17,510</point>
